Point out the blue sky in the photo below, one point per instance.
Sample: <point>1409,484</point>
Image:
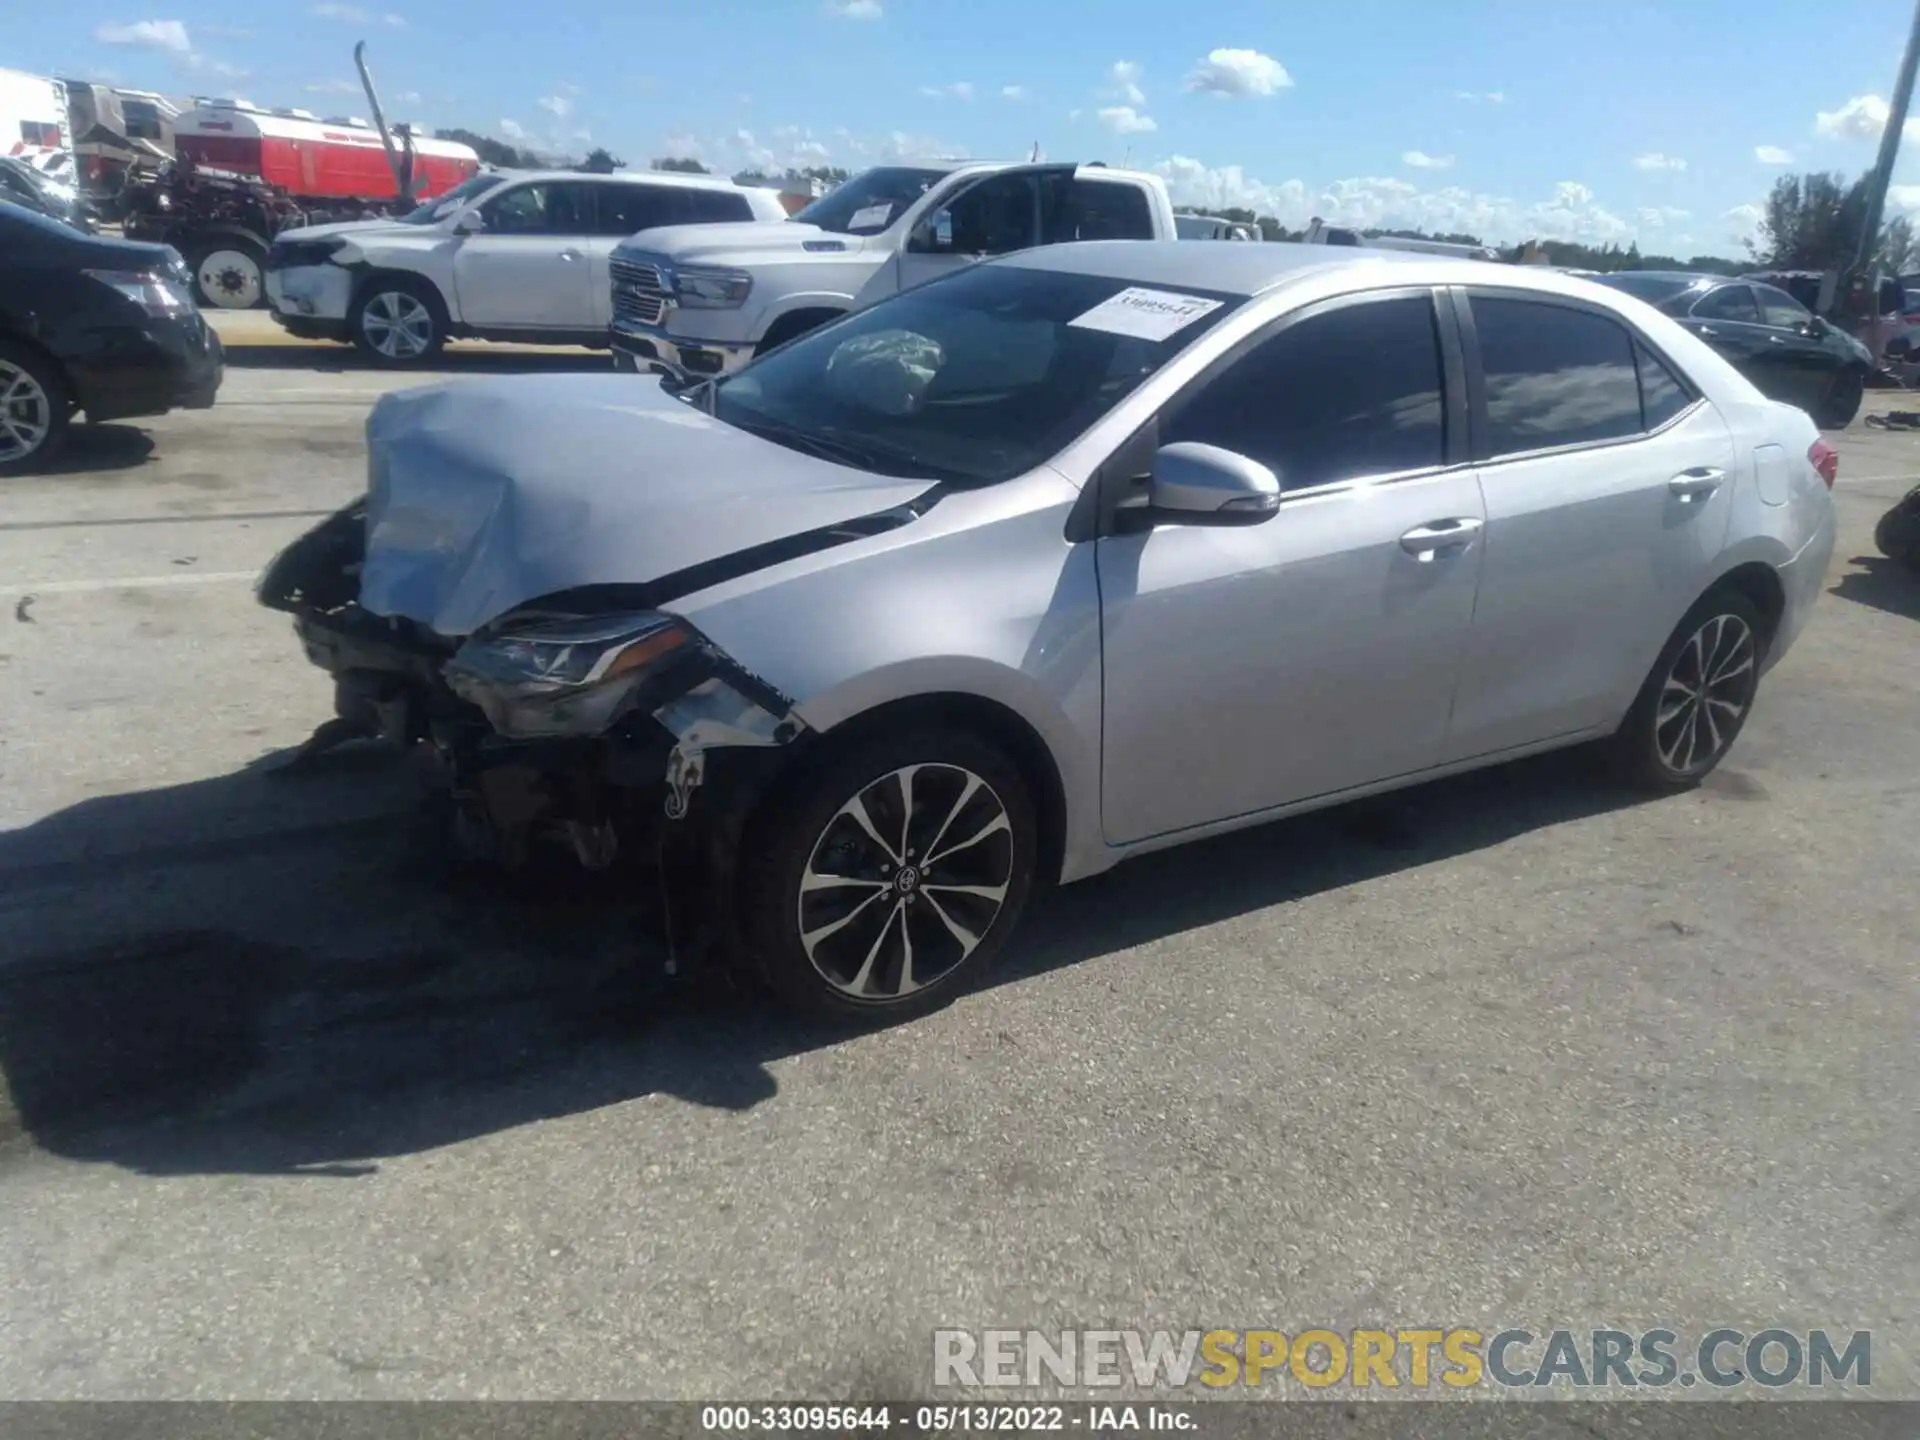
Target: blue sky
<point>1661,122</point>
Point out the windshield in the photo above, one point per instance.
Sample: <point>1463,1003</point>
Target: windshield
<point>870,202</point>
<point>433,211</point>
<point>969,380</point>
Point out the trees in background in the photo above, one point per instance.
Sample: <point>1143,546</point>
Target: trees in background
<point>1812,222</point>
<point>681,165</point>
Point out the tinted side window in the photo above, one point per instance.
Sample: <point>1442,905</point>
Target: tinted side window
<point>625,210</point>
<point>1098,210</point>
<point>519,211</point>
<point>1781,310</point>
<point>1355,391</point>
<point>1555,376</point>
<point>1729,302</point>
<point>1662,396</point>
<point>710,207</point>
<point>996,216</point>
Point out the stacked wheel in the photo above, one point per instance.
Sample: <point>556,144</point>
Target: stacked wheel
<point>1897,536</point>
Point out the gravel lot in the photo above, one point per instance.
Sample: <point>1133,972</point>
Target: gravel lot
<point>294,1114</point>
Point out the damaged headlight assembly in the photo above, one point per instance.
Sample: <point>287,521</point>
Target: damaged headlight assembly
<point>543,676</point>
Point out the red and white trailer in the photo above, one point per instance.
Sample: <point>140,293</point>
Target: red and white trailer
<point>316,161</point>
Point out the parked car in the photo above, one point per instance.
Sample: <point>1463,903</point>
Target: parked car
<point>28,187</point>
<point>1321,233</point>
<point>1081,553</point>
<point>700,302</point>
<point>1212,227</point>
<point>509,255</point>
<point>1786,350</point>
<point>88,324</point>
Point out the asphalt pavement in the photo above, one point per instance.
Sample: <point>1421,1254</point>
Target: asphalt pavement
<point>293,1111</point>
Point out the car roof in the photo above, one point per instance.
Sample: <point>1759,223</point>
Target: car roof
<point>650,177</point>
<point>1235,268</point>
<point>1690,277</point>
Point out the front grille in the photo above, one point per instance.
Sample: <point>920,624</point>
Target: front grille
<point>637,291</point>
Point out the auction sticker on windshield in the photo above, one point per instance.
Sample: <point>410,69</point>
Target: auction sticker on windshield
<point>875,216</point>
<point>1146,314</point>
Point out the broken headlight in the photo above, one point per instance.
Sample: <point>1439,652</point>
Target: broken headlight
<point>548,676</point>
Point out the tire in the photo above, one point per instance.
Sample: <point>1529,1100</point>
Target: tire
<point>35,410</point>
<point>1659,746</point>
<point>1897,535</point>
<point>1842,400</point>
<point>398,321</point>
<point>229,273</point>
<point>818,947</point>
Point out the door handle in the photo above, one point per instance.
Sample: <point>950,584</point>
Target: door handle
<point>1775,340</point>
<point>1705,330</point>
<point>1695,484</point>
<point>569,254</point>
<point>1427,543</point>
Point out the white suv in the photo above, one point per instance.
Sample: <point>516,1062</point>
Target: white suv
<point>509,255</point>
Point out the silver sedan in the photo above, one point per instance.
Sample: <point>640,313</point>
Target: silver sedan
<point>1086,552</point>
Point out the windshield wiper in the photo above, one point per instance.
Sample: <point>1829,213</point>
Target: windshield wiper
<point>862,454</point>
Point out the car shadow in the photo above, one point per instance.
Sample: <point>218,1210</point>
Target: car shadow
<point>1881,584</point>
<point>472,358</point>
<point>102,447</point>
<point>411,1005</point>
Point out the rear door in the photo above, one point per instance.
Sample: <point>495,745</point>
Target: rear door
<point>1798,361</point>
<point>530,268</point>
<point>1607,482</point>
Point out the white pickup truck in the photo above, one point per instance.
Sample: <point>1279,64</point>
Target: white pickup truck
<point>699,300</point>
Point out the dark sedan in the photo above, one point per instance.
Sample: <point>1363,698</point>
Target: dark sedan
<point>22,185</point>
<point>1787,351</point>
<point>88,324</point>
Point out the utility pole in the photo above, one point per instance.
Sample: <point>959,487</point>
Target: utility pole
<point>1865,273</point>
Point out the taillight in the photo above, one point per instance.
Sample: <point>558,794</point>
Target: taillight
<point>1826,460</point>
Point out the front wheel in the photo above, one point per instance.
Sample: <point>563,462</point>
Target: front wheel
<point>398,322</point>
<point>230,274</point>
<point>34,410</point>
<point>1842,400</point>
<point>882,885</point>
<point>1697,698</point>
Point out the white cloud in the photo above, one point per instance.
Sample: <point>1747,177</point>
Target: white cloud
<point>854,9</point>
<point>407,97</point>
<point>959,90</point>
<point>1371,202</point>
<point>1474,97</point>
<point>1239,72</point>
<point>1904,197</point>
<point>1657,161</point>
<point>558,106</point>
<point>167,35</point>
<point>1861,118</point>
<point>902,146</point>
<point>1772,155</point>
<point>393,18</point>
<point>1013,92</point>
<point>1743,223</point>
<point>515,131</point>
<point>1420,160</point>
<point>333,87</point>
<point>1124,77</point>
<point>351,14</point>
<point>1659,217</point>
<point>1125,120</point>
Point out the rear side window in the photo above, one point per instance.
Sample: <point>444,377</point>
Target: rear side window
<point>1099,210</point>
<point>1662,396</point>
<point>1347,393</point>
<point>628,209</point>
<point>714,207</point>
<point>1555,376</point>
<point>1782,310</point>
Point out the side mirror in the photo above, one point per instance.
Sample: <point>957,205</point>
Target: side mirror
<point>1195,484</point>
<point>471,223</point>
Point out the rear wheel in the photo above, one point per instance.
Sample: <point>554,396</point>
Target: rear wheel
<point>1842,400</point>
<point>1697,698</point>
<point>885,882</point>
<point>1897,536</point>
<point>34,410</point>
<point>398,321</point>
<point>230,274</point>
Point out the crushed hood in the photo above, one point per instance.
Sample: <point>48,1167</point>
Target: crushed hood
<point>484,495</point>
<point>744,243</point>
<point>376,226</point>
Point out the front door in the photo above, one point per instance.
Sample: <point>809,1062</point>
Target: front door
<point>1248,668</point>
<point>1608,488</point>
<point>997,214</point>
<point>531,268</point>
<point>1797,357</point>
<point>1729,320</point>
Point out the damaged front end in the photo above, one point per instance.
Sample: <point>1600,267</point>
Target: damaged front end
<point>584,719</point>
